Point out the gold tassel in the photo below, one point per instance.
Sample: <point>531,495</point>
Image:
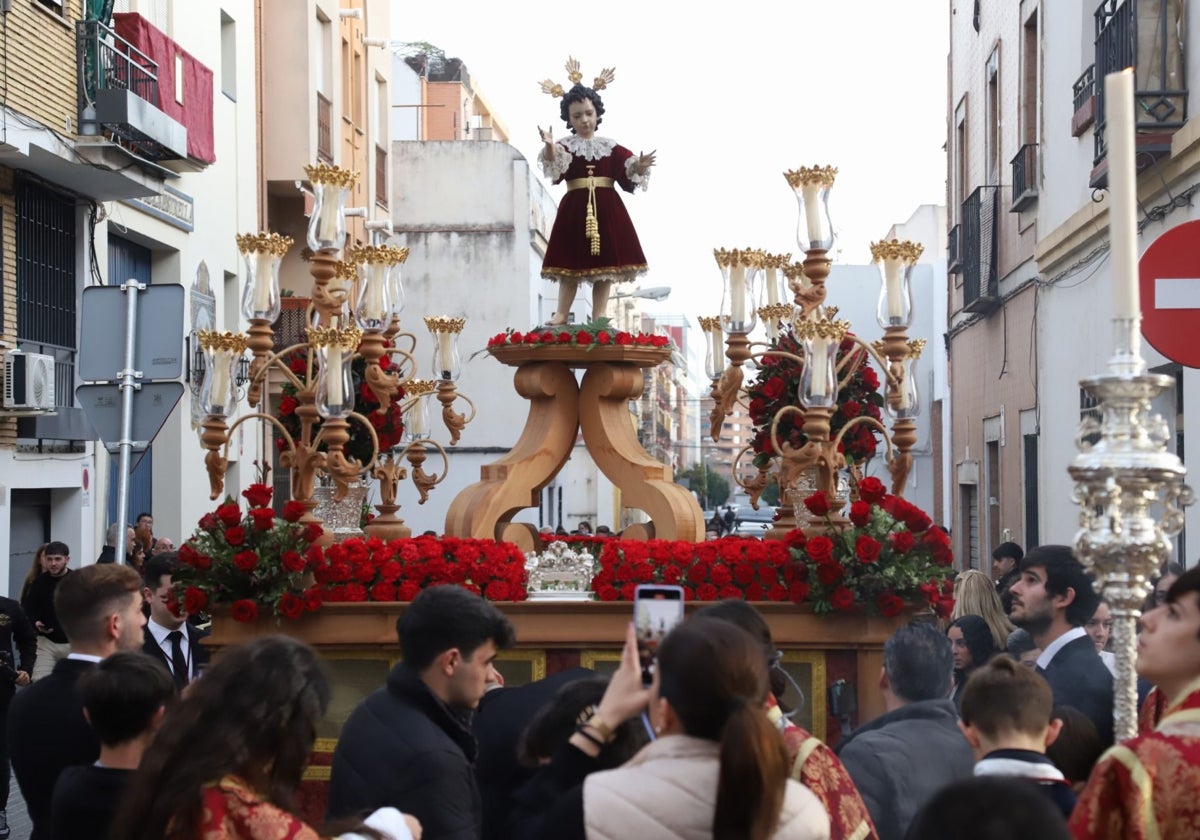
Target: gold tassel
<point>591,227</point>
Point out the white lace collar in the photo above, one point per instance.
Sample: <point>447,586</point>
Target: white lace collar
<point>595,148</point>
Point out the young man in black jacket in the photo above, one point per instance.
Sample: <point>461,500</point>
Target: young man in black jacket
<point>409,745</point>
<point>15,627</point>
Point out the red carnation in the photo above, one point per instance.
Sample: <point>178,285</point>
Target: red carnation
<point>547,337</point>
<point>820,548</point>
<point>842,599</point>
<point>777,593</point>
<point>604,337</point>
<point>867,549</point>
<point>890,604</point>
<point>660,340</point>
<point>383,592</point>
<point>564,337</point>
<point>194,600</point>
<point>245,560</point>
<point>797,592</point>
<point>608,593</point>
<point>624,339</point>
<point>229,514</point>
<point>581,337</point>
<point>830,573</point>
<point>871,490</point>
<point>721,575</point>
<point>312,599</point>
<point>236,535</point>
<point>291,606</point>
<point>706,592</point>
<point>497,590</point>
<point>258,495</point>
<point>288,405</point>
<point>860,513</point>
<point>817,503</point>
<point>293,510</point>
<point>530,338</point>
<point>263,518</point>
<point>244,610</point>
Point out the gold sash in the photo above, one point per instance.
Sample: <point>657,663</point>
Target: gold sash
<point>591,227</point>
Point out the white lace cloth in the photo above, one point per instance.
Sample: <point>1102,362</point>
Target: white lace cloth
<point>387,821</point>
<point>593,148</point>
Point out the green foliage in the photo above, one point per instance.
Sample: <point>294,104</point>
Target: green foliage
<point>708,484</point>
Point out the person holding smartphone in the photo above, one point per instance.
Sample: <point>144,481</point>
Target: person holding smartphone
<point>718,767</point>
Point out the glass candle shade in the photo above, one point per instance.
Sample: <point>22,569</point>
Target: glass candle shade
<point>396,294</point>
<point>447,365</point>
<point>739,304</point>
<point>374,309</point>
<point>416,419</point>
<point>814,231</point>
<point>327,225</point>
<point>774,282</point>
<point>818,381</point>
<point>714,347</point>
<point>907,402</point>
<point>222,353</point>
<point>263,254</point>
<point>895,259</point>
<point>335,392</point>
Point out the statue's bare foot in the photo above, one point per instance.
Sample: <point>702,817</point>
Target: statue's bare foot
<point>556,320</point>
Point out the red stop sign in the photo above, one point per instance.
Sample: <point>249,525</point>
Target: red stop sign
<point>1169,286</point>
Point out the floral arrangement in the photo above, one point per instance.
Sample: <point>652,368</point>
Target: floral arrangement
<point>733,567</point>
<point>890,555</point>
<point>251,560</point>
<point>388,423</point>
<point>374,570</point>
<point>593,334</point>
<point>778,383</point>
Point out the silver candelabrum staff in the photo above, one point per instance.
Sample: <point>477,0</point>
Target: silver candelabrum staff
<point>1127,470</point>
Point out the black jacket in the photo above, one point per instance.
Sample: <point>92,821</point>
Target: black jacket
<point>899,760</point>
<point>197,653</point>
<point>47,733</point>
<point>405,748</point>
<point>15,630</point>
<point>39,604</point>
<point>1080,679</point>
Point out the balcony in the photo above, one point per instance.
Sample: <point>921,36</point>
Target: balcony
<point>1025,178</point>
<point>953,257</point>
<point>324,129</point>
<point>1146,35</point>
<point>980,229</point>
<point>1084,95</point>
<point>118,95</point>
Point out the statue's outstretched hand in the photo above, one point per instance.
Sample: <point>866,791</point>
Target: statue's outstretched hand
<point>645,161</point>
<point>547,135</point>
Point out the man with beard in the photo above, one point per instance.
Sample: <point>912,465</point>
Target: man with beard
<point>1052,600</point>
<point>100,609</point>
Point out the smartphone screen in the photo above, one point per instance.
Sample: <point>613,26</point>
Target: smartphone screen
<point>656,611</point>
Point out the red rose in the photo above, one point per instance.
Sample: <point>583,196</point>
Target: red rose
<point>902,542</point>
<point>795,539</point>
<point>236,535</point>
<point>820,548</point>
<point>916,519</point>
<point>860,513</point>
<point>817,503</point>
<point>263,518</point>
<point>871,490</point>
<point>547,337</point>
<point>944,607</point>
<point>244,611</point>
<point>291,606</point>
<point>851,408</point>
<point>603,337</point>
<point>245,560</point>
<point>194,600</point>
<point>297,363</point>
<point>773,388</point>
<point>797,592</point>
<point>830,573</point>
<point>293,510</point>
<point>777,593</point>
<point>660,340</point>
<point>513,338</point>
<point>209,521</point>
<point>890,604</point>
<point>292,561</point>
<point>312,532</point>
<point>531,338</point>
<point>202,562</point>
<point>288,405</point>
<point>624,339</point>
<point>229,514</point>
<point>312,599</point>
<point>258,495</point>
<point>564,337</point>
<point>581,337</point>
<point>930,590</point>
<point>867,549</point>
<point>842,599</point>
<point>870,380</point>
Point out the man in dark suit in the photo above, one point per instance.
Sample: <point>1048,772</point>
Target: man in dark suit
<point>1053,599</point>
<point>168,636</point>
<point>100,610</point>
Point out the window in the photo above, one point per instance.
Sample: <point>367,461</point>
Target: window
<point>55,6</point>
<point>228,56</point>
<point>1030,453</point>
<point>322,55</point>
<point>991,130</point>
<point>1029,80</point>
<point>961,159</point>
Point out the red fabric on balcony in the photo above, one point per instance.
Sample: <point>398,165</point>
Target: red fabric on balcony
<point>196,112</point>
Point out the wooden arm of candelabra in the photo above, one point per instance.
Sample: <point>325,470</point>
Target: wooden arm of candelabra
<point>754,487</point>
<point>447,393</point>
<point>424,482</point>
<point>216,437</point>
<point>725,389</point>
<point>899,442</point>
<point>335,433</point>
<point>328,300</point>
<point>382,384</point>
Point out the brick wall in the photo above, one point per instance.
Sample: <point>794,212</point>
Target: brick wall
<point>41,62</point>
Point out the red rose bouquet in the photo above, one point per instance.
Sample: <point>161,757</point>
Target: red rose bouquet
<point>250,560</point>
<point>597,333</point>
<point>889,556</point>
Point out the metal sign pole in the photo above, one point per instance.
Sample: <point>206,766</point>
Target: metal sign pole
<point>128,385</point>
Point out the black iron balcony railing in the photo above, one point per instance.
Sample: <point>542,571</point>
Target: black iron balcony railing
<point>1146,35</point>
<point>1083,93</point>
<point>324,129</point>
<point>108,61</point>
<point>953,252</point>
<point>1025,177</point>
<point>980,229</point>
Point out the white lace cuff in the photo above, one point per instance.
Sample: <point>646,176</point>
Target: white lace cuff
<point>556,168</point>
<point>642,181</point>
<point>387,821</point>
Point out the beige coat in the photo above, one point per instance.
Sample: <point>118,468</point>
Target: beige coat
<point>668,792</point>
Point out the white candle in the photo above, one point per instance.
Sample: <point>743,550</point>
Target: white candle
<point>820,366</point>
<point>772,286</point>
<point>327,222</point>
<point>219,395</point>
<point>374,306</point>
<point>1122,193</point>
<point>333,375</point>
<point>416,418</point>
<point>737,294</point>
<point>445,342</point>
<point>893,270</point>
<point>262,282</point>
<point>905,397</point>
<point>812,213</point>
<point>772,328</point>
<point>718,350</point>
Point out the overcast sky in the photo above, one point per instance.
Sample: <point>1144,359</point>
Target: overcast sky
<point>730,95</point>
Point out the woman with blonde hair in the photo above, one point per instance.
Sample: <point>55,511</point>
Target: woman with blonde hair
<point>975,594</point>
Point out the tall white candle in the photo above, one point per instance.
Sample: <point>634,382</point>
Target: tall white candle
<point>812,213</point>
<point>737,293</point>
<point>219,395</point>
<point>262,281</point>
<point>1122,192</point>
<point>772,285</point>
<point>374,307</point>
<point>820,369</point>
<point>718,349</point>
<point>327,223</point>
<point>772,328</point>
<point>893,269</point>
<point>333,374</point>
<point>445,342</point>
<point>416,418</point>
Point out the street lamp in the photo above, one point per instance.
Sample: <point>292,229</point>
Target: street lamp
<point>659,293</point>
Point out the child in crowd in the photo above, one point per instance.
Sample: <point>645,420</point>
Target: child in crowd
<point>1006,718</point>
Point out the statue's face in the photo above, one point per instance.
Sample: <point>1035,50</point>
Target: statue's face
<point>583,118</point>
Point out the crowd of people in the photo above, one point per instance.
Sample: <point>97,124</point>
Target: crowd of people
<point>998,725</point>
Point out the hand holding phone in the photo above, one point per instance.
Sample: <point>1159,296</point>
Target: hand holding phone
<point>657,608</point>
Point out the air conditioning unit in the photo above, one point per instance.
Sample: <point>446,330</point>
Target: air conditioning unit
<point>28,381</point>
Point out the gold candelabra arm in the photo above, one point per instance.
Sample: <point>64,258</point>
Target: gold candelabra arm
<point>447,393</point>
<point>260,343</point>
<point>753,486</point>
<point>382,384</point>
<point>724,393</point>
<point>423,481</point>
<point>327,299</point>
<point>215,438</point>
